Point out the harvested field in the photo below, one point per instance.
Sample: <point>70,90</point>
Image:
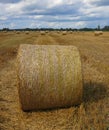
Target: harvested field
<point>92,114</point>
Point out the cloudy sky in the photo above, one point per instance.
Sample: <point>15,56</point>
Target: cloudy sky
<point>53,13</point>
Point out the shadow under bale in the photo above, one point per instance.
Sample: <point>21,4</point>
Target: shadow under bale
<point>94,92</point>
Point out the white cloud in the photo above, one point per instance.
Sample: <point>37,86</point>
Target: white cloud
<point>12,25</point>
<point>3,18</point>
<point>80,24</point>
<point>36,17</point>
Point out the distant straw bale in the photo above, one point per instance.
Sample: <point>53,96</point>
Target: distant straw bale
<point>5,31</point>
<point>46,31</point>
<point>97,33</point>
<point>17,32</point>
<point>64,33</point>
<point>70,32</point>
<point>42,33</point>
<point>26,32</point>
<point>101,32</point>
<point>49,76</point>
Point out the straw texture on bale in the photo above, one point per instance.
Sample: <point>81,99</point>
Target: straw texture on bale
<point>49,76</point>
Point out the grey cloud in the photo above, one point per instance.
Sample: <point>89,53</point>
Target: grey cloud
<point>57,10</point>
<point>9,1</point>
<point>101,3</point>
<point>69,18</point>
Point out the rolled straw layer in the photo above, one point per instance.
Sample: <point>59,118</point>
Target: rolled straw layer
<point>49,76</point>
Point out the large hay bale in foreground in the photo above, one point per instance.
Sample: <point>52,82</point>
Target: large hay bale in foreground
<point>49,76</point>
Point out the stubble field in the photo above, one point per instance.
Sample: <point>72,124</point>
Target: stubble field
<point>92,114</point>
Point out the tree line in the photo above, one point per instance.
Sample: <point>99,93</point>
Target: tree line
<point>105,28</point>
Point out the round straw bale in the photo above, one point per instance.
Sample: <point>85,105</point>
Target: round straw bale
<point>49,76</point>
<point>101,32</point>
<point>17,32</point>
<point>26,32</point>
<point>46,31</point>
<point>97,33</point>
<point>42,33</point>
<point>64,32</point>
<point>70,32</point>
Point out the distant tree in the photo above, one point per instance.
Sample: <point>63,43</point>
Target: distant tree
<point>86,29</point>
<point>98,27</point>
<point>5,29</point>
<point>106,28</point>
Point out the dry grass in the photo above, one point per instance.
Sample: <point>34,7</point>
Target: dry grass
<point>93,113</point>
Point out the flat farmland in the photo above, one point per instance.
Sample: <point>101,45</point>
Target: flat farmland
<point>92,114</point>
